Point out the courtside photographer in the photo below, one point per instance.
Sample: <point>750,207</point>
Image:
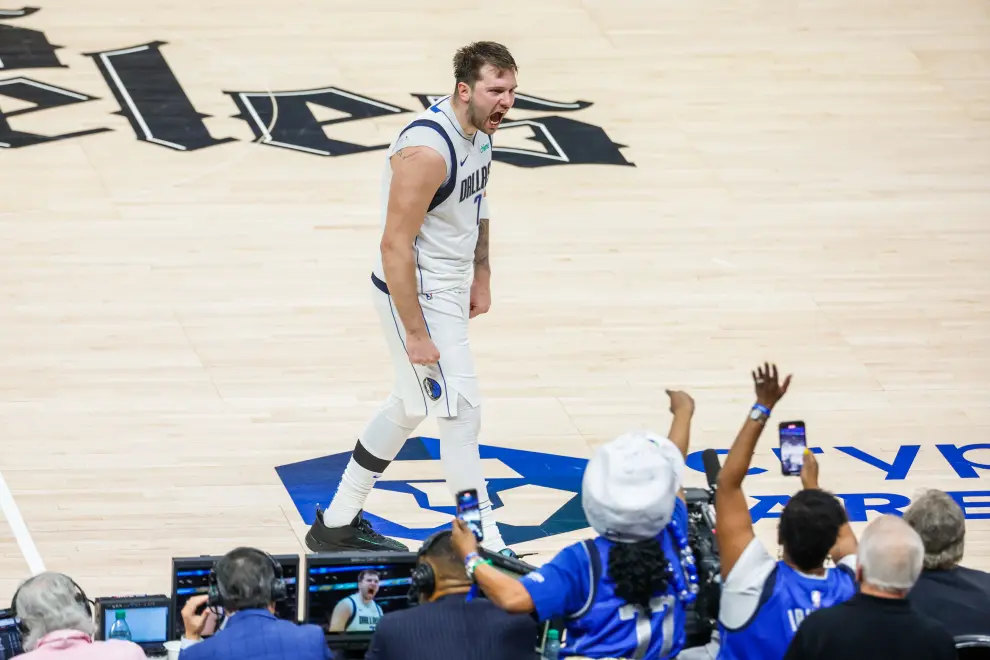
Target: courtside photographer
<point>625,593</point>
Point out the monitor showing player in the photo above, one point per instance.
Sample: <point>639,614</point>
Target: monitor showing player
<point>359,612</point>
<point>345,598</point>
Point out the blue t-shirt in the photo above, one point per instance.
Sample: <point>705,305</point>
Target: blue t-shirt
<point>574,584</point>
<point>787,598</point>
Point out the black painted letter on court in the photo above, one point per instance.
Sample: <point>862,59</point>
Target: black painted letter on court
<point>564,141</point>
<point>284,119</point>
<point>152,99</point>
<point>44,97</point>
<point>22,48</point>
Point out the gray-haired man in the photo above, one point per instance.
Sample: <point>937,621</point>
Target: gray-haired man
<point>878,623</point>
<point>956,596</point>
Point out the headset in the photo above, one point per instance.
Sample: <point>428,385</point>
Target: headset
<point>80,598</point>
<point>423,579</point>
<point>279,590</point>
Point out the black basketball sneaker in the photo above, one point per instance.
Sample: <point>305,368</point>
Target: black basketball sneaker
<point>359,535</point>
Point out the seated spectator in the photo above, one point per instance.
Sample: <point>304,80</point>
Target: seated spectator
<point>247,587</point>
<point>56,622</point>
<point>623,593</point>
<point>764,600</point>
<point>878,623</point>
<point>958,597</point>
<point>449,622</point>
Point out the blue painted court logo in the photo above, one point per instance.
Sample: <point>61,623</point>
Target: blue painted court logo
<point>432,388</point>
<point>314,481</point>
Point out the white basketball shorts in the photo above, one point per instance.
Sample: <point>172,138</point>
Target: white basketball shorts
<point>432,390</point>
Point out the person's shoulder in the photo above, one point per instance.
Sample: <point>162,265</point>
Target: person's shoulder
<point>403,618</point>
<point>201,649</point>
<point>499,619</point>
<point>571,558</point>
<point>826,617</point>
<point>934,634</point>
<point>301,629</point>
<point>931,626</point>
<point>577,551</point>
<point>974,575</point>
<point>752,568</point>
<point>120,649</point>
<point>312,633</point>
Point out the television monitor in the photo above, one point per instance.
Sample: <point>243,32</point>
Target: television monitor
<point>347,593</point>
<point>10,635</point>
<point>143,620</point>
<point>191,575</point>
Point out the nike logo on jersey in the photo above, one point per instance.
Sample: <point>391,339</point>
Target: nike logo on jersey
<point>475,182</point>
<point>465,160</point>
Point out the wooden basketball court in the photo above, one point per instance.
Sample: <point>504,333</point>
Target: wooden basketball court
<point>189,211</point>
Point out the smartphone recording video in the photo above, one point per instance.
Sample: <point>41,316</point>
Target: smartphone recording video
<point>469,510</point>
<point>793,442</point>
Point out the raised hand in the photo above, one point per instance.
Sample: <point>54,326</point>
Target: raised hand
<point>769,390</point>
<point>680,402</point>
<point>809,471</point>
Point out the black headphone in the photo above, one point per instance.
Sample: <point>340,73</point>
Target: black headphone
<point>80,598</point>
<point>279,590</point>
<point>423,579</point>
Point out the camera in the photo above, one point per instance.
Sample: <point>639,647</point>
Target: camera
<point>702,614</point>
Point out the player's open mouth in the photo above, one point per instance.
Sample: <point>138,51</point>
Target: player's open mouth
<point>495,119</point>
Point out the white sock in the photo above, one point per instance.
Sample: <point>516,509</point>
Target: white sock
<point>381,441</point>
<point>461,460</point>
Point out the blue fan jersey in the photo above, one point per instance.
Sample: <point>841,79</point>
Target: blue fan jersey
<point>574,584</point>
<point>788,597</point>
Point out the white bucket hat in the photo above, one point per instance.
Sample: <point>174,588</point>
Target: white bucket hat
<point>630,486</point>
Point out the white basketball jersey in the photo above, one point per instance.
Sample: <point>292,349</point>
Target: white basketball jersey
<point>444,248</point>
<point>364,618</point>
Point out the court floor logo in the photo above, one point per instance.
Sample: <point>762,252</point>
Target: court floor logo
<point>314,481</point>
<point>542,497</point>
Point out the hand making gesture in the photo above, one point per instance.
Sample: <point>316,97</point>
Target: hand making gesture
<point>768,388</point>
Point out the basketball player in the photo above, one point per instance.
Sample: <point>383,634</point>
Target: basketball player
<point>358,612</point>
<point>432,276</point>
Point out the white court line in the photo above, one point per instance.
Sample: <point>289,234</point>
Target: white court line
<point>19,529</point>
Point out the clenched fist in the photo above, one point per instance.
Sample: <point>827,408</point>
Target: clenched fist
<point>421,349</point>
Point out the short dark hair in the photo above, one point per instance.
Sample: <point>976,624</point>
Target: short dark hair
<point>245,577</point>
<point>366,572</point>
<point>470,59</point>
<point>809,527</point>
<point>444,557</point>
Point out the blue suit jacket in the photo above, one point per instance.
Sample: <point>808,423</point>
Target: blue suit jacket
<point>259,635</point>
<point>452,629</point>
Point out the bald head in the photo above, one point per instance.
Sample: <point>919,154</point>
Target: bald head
<point>890,556</point>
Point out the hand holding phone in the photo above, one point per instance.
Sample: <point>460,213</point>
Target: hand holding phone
<point>469,510</point>
<point>793,442</point>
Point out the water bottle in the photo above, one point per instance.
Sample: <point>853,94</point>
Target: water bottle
<point>120,629</point>
<point>551,650</point>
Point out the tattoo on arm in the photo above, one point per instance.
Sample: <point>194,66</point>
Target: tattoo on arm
<point>481,250</point>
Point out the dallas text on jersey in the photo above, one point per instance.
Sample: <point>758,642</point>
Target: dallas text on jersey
<point>476,182</point>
